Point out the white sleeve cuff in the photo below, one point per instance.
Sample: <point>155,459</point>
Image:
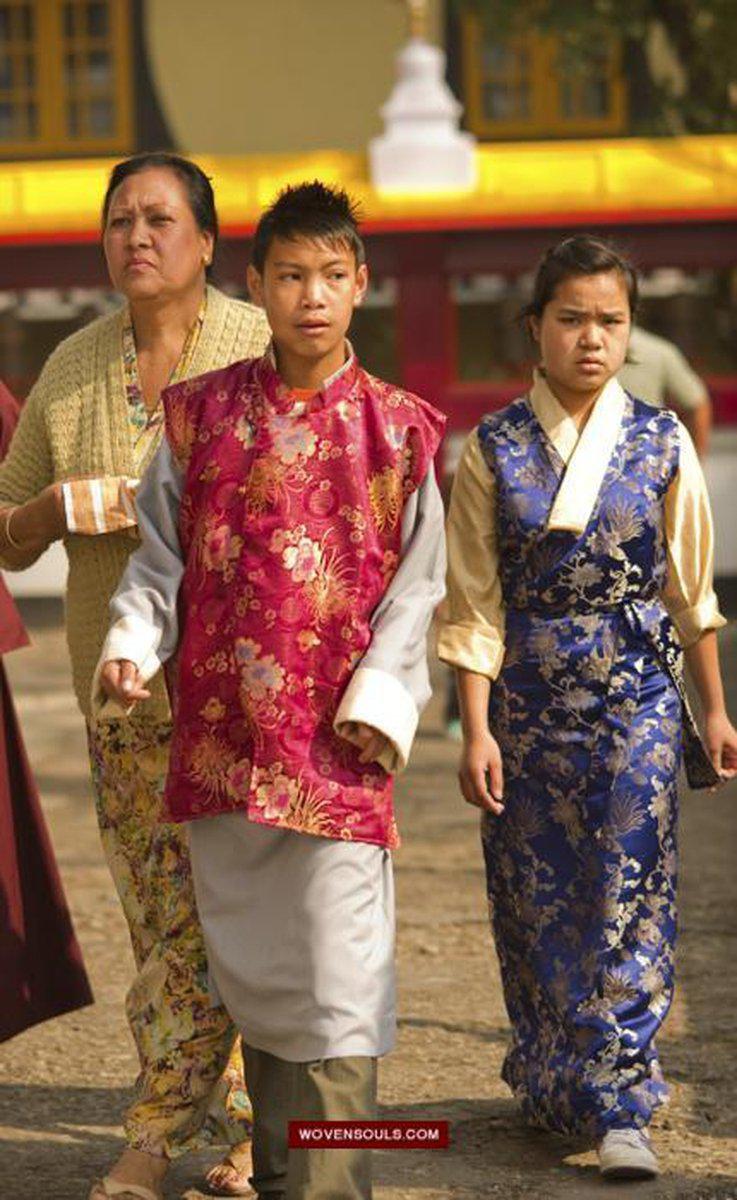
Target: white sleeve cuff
<point>378,699</point>
<point>129,638</point>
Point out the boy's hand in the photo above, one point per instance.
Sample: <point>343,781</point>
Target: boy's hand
<point>121,679</point>
<point>480,773</point>
<point>369,740</point>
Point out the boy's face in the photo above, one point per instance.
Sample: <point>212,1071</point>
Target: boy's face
<point>309,290</point>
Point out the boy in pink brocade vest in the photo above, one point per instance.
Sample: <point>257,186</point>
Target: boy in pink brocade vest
<point>292,556</point>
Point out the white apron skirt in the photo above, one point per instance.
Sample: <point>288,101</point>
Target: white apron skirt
<point>299,933</point>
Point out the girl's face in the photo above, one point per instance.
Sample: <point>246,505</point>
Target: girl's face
<point>583,334</point>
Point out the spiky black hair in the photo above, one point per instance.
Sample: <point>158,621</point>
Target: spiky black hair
<point>309,210</point>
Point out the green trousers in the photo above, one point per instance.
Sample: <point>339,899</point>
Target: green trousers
<point>331,1089</point>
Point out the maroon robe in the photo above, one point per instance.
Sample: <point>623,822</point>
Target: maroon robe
<point>41,969</point>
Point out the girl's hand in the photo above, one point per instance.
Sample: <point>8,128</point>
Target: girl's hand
<point>720,737</point>
<point>481,766</point>
<point>121,679</point>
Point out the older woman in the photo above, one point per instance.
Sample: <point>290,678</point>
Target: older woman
<point>88,430</point>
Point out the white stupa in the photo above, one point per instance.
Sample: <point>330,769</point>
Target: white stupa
<point>422,148</point>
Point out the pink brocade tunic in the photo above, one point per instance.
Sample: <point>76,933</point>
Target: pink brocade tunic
<point>290,525</point>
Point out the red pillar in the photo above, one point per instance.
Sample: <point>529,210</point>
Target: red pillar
<point>426,326</point>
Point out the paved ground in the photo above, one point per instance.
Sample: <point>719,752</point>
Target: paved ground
<point>62,1085</point>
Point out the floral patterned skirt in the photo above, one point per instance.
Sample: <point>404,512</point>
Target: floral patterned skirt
<point>190,1090</point>
<point>581,872</point>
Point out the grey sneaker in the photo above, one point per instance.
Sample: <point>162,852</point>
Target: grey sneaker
<point>627,1154</point>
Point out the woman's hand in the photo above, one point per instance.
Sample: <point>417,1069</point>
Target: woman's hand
<point>121,680</point>
<point>481,766</point>
<point>50,515</point>
<point>29,528</point>
<point>720,737</point>
<point>41,519</point>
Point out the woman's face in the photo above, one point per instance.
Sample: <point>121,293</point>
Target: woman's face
<point>154,247</point>
<point>583,333</point>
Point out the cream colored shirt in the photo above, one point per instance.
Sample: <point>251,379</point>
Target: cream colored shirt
<point>472,629</point>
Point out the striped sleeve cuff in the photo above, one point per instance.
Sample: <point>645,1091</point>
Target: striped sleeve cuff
<point>94,506</point>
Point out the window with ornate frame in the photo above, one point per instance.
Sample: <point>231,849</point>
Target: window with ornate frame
<point>538,85</point>
<point>65,77</point>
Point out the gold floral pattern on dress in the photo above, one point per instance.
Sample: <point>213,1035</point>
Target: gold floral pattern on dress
<point>322,571</point>
<point>264,484</point>
<point>284,800</point>
<point>276,794</point>
<point>183,1040</point>
<point>216,768</point>
<point>386,495</point>
<point>220,548</point>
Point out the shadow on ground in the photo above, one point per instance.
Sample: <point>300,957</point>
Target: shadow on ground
<point>68,1137</point>
<point>509,1159</point>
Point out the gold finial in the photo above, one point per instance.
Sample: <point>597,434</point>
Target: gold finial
<point>417,18</point>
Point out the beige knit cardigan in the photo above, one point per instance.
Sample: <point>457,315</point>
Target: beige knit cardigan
<point>75,422</point>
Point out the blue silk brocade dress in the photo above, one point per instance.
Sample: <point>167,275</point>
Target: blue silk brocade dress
<point>589,712</point>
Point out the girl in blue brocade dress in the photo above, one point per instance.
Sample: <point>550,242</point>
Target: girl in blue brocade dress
<point>580,568</point>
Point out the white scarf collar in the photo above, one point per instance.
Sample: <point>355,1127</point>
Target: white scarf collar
<point>586,455</point>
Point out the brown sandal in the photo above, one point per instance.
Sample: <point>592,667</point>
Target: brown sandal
<point>238,1166</point>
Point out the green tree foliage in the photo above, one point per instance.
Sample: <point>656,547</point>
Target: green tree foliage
<point>687,49</point>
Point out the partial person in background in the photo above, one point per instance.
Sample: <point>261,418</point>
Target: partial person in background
<point>41,969</point>
<point>88,430</point>
<point>656,371</point>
